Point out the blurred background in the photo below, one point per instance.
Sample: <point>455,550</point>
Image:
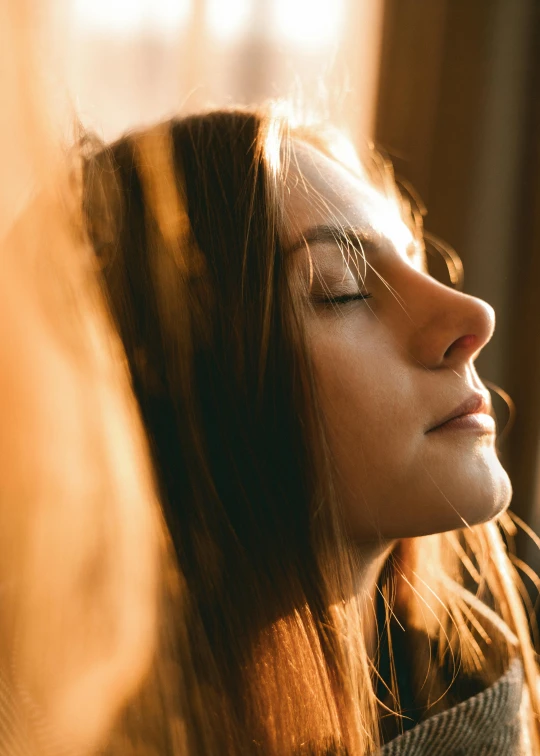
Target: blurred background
<point>448,88</point>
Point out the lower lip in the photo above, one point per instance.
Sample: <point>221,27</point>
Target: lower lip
<point>478,422</point>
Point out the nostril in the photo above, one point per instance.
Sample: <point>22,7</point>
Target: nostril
<point>470,342</point>
<point>466,342</point>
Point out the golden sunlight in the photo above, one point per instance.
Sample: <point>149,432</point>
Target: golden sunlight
<point>310,23</point>
<point>128,16</point>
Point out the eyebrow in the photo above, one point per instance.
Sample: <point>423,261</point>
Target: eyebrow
<point>337,234</point>
<point>362,239</point>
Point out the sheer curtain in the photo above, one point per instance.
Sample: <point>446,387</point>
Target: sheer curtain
<point>137,60</point>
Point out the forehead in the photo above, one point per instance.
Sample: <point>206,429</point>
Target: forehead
<point>320,191</point>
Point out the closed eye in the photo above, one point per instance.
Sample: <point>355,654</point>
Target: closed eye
<point>342,299</point>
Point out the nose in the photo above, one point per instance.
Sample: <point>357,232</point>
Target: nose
<point>449,328</point>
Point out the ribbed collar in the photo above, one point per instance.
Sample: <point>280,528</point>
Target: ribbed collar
<point>487,723</point>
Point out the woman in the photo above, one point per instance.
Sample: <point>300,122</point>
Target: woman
<point>324,451</point>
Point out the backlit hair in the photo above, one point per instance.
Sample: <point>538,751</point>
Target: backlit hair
<point>262,647</point>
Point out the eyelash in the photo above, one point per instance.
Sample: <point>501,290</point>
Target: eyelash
<point>345,299</point>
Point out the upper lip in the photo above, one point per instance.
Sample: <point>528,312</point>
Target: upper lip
<point>476,403</point>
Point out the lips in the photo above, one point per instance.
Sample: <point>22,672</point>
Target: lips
<point>475,404</point>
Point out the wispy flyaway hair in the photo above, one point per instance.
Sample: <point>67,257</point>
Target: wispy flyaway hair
<point>262,647</point>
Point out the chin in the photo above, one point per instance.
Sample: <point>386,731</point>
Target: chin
<point>469,485</point>
<point>443,502</point>
<point>434,497</point>
<point>499,500</point>
<point>480,494</point>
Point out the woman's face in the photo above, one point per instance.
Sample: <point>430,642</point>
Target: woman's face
<point>393,366</point>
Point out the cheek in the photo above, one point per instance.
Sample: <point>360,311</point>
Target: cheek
<point>392,479</point>
<point>366,401</point>
<point>372,442</point>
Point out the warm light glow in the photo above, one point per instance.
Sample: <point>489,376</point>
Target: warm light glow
<point>167,13</point>
<point>305,22</point>
<point>388,221</point>
<point>309,22</point>
<point>227,18</point>
<point>127,16</point>
<point>272,142</point>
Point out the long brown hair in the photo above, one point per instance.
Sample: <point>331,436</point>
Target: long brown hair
<point>262,648</point>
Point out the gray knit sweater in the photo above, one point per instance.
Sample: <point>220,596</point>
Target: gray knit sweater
<point>488,724</point>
